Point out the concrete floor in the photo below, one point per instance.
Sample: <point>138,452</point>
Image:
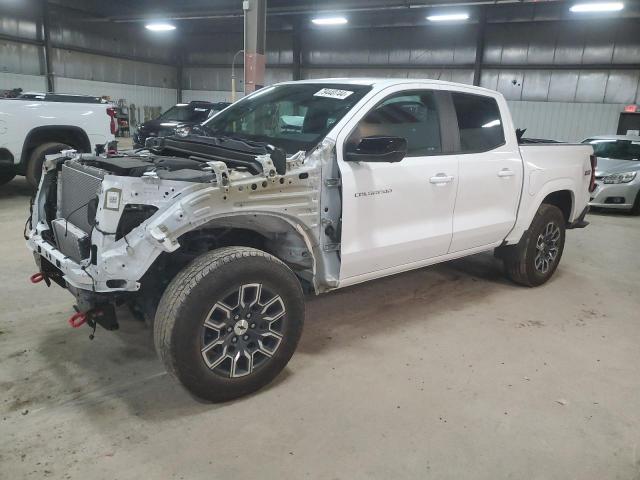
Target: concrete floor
<point>446,372</point>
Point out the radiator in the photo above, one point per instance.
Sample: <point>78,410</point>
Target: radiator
<point>79,186</point>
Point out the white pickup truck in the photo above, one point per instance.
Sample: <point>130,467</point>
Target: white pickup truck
<point>214,234</point>
<point>38,124</point>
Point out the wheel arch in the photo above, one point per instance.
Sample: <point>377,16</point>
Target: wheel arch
<point>564,200</point>
<point>285,238</point>
<point>69,134</point>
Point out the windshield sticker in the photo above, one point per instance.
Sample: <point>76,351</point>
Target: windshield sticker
<point>333,93</point>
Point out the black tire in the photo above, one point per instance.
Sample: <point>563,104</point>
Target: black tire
<point>195,295</point>
<point>522,264</point>
<point>635,210</point>
<point>34,165</point>
<point>6,177</point>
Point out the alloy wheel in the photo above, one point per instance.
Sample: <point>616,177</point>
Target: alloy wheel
<point>243,330</point>
<point>547,247</point>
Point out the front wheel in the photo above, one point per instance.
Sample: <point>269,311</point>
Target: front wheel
<point>534,260</point>
<point>229,322</point>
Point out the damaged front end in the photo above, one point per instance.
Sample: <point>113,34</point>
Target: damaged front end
<point>116,228</point>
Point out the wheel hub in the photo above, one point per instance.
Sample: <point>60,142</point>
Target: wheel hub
<point>243,330</point>
<point>241,327</point>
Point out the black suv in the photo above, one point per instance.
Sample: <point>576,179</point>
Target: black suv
<point>182,114</point>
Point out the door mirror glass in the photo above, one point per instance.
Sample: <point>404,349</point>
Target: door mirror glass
<point>378,149</point>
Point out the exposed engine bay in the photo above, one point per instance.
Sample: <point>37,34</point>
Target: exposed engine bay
<point>120,224</point>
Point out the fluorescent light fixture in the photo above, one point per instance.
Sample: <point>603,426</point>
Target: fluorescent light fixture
<point>330,21</point>
<point>448,17</point>
<point>597,7</point>
<point>159,27</point>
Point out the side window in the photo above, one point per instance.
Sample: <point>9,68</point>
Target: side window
<point>412,115</point>
<point>479,122</point>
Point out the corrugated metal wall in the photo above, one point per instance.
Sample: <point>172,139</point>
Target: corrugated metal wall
<point>530,63</point>
<point>140,95</point>
<point>567,122</point>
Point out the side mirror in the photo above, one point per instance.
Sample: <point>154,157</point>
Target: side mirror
<point>378,149</point>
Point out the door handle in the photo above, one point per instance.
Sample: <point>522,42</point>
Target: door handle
<point>506,172</point>
<point>441,178</point>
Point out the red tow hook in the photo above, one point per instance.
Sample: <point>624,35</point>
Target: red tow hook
<point>36,277</point>
<point>77,319</point>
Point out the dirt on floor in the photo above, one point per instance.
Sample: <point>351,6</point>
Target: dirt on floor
<point>444,372</point>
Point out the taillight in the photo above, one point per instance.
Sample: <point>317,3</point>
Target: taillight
<point>594,164</point>
<point>112,114</point>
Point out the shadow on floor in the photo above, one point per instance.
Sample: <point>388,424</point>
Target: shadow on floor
<point>122,366</point>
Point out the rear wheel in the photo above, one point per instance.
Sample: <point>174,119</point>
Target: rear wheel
<point>229,322</point>
<point>534,260</point>
<point>6,177</point>
<point>36,160</point>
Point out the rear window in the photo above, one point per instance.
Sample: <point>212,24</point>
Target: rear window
<point>479,122</point>
<point>616,149</point>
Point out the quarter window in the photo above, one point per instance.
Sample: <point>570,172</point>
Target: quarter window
<point>479,122</point>
<point>411,115</point>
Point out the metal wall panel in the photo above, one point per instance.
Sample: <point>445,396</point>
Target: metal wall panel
<point>622,87</point>
<point>424,45</point>
<point>141,96</point>
<point>590,42</point>
<point>28,83</point>
<point>219,48</point>
<point>591,86</point>
<point>115,39</point>
<point>569,122</point>
<point>563,85</point>
<point>108,69</point>
<point>535,85</point>
<point>11,24</point>
<point>19,58</point>
<point>219,79</point>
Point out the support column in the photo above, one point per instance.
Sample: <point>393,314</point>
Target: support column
<point>179,66</point>
<point>46,45</point>
<point>477,66</point>
<point>296,48</point>
<point>255,39</point>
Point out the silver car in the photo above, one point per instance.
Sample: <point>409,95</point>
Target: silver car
<point>617,173</point>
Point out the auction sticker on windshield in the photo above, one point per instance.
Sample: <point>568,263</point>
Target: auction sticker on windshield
<point>333,93</point>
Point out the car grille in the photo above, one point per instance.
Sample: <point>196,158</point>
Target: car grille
<point>79,187</point>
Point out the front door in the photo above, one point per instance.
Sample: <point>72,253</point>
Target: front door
<point>396,214</point>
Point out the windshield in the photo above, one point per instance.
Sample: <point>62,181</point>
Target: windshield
<point>616,149</point>
<point>186,113</point>
<point>293,117</point>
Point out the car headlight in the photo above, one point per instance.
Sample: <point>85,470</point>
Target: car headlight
<point>624,177</point>
<point>183,131</point>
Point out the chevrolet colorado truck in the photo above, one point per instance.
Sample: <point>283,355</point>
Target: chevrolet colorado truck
<point>310,186</point>
<point>38,124</point>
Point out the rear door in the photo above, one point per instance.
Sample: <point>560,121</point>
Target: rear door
<point>491,172</point>
<point>397,214</point>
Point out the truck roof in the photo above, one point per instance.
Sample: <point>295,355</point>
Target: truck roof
<point>385,82</point>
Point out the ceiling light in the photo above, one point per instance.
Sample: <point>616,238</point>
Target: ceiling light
<point>597,7</point>
<point>330,21</point>
<point>159,27</point>
<point>448,17</point>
